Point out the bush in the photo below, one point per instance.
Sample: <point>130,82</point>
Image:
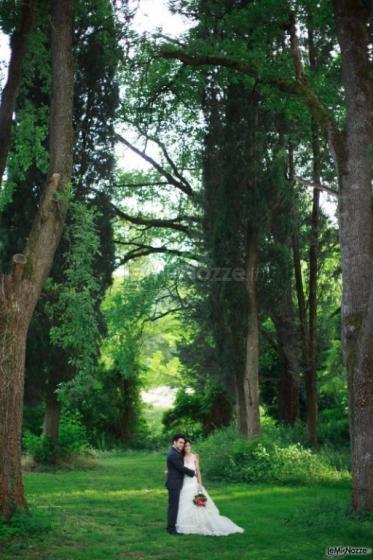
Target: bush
<point>72,437</point>
<point>72,441</point>
<point>25,525</point>
<point>227,455</point>
<point>198,413</point>
<point>333,427</point>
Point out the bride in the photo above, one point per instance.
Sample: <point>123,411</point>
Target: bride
<point>202,520</point>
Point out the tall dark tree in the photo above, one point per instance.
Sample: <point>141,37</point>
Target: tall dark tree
<point>230,182</point>
<point>350,147</point>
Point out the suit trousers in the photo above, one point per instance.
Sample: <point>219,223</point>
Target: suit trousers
<point>173,506</point>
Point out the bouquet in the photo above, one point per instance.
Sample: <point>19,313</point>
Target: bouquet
<point>200,499</point>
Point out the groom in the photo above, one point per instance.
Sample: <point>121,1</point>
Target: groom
<point>174,482</point>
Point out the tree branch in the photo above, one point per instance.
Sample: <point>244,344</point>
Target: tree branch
<point>318,186</point>
<point>156,317</point>
<point>171,162</point>
<point>144,250</point>
<point>140,220</point>
<point>178,184</point>
<point>298,87</point>
<point>152,222</point>
<point>144,184</point>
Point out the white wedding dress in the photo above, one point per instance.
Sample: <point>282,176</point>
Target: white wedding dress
<point>201,520</point>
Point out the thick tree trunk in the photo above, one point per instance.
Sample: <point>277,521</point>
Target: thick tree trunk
<point>18,45</point>
<point>247,387</point>
<point>354,164</point>
<point>20,290</point>
<point>13,330</point>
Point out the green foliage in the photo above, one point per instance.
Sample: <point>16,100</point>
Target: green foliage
<point>229,456</point>
<point>30,130</point>
<point>162,365</point>
<point>198,413</point>
<point>27,525</point>
<point>72,441</point>
<point>333,416</point>
<point>72,438</point>
<point>113,409</point>
<point>71,307</point>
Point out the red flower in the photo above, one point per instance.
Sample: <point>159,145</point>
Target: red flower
<point>200,500</point>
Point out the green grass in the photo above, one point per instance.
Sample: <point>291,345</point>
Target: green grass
<point>117,511</point>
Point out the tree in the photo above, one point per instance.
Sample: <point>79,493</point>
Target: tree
<point>351,151</point>
<point>21,288</point>
<point>96,54</point>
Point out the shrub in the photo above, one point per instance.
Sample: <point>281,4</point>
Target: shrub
<point>40,448</point>
<point>25,525</point>
<point>72,438</point>
<point>72,441</point>
<point>333,426</point>
<point>227,455</point>
<point>198,413</point>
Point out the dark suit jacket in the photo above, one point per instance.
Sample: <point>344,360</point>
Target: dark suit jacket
<point>176,469</point>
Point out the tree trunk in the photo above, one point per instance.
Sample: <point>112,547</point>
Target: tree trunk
<point>311,377</point>
<point>247,387</point>
<point>12,361</point>
<point>354,164</point>
<point>300,295</point>
<point>52,417</point>
<point>20,290</point>
<point>283,318</point>
<point>18,45</point>
<point>308,327</point>
<point>288,396</point>
<point>311,371</point>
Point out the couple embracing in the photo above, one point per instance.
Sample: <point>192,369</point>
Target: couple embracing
<point>190,508</point>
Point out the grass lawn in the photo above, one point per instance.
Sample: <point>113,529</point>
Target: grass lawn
<point>117,511</point>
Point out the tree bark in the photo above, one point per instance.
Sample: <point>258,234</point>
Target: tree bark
<point>311,372</point>
<point>18,45</point>
<point>20,290</point>
<point>52,415</point>
<point>311,377</point>
<point>283,318</point>
<point>247,387</point>
<point>354,165</point>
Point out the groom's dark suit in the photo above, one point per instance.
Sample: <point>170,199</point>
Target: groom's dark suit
<point>174,482</point>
